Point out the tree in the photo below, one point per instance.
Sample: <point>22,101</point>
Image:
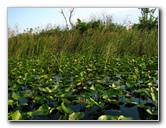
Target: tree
<point>81,26</point>
<point>147,19</point>
<point>71,14</point>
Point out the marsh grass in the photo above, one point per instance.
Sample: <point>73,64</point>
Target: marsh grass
<point>102,44</point>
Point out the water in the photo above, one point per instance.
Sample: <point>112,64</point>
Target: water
<point>94,111</point>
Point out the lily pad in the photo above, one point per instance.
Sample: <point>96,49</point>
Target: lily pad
<point>142,106</point>
<point>129,101</point>
<point>17,96</point>
<point>17,115</point>
<point>92,87</point>
<point>43,110</point>
<point>66,109</point>
<point>76,115</point>
<point>11,102</point>
<point>108,117</point>
<point>113,101</point>
<point>121,117</point>
<point>154,112</point>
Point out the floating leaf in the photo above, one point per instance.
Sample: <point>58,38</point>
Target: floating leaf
<point>76,115</point>
<point>115,86</point>
<point>62,117</point>
<point>78,84</point>
<point>66,101</point>
<point>148,111</point>
<point>92,87</point>
<point>101,104</point>
<point>99,87</point>
<point>121,117</point>
<point>42,89</point>
<point>108,117</point>
<point>17,96</point>
<point>142,106</point>
<point>39,99</point>
<point>113,101</point>
<point>43,110</point>
<point>17,115</point>
<point>11,102</point>
<point>66,109</point>
<point>56,87</point>
<point>48,90</point>
<point>154,112</point>
<point>60,109</point>
<point>112,93</point>
<point>130,101</point>
<point>43,76</point>
<point>93,101</point>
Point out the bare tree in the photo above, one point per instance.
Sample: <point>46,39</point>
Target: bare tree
<point>106,18</point>
<point>70,16</point>
<point>67,26</point>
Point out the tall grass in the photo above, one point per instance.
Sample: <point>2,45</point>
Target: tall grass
<point>97,43</point>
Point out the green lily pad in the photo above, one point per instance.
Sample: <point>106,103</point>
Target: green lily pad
<point>142,106</point>
<point>112,93</point>
<point>17,115</point>
<point>59,108</point>
<point>62,117</point>
<point>48,90</point>
<point>17,96</point>
<point>42,89</point>
<point>115,86</point>
<point>43,76</point>
<point>121,117</point>
<point>113,101</point>
<point>43,110</point>
<point>129,101</point>
<point>66,101</point>
<point>56,87</point>
<point>11,102</point>
<point>92,87</point>
<point>66,109</point>
<point>76,115</point>
<point>108,117</point>
<point>99,87</point>
<point>154,112</point>
<point>101,104</point>
<point>148,111</point>
<point>93,101</point>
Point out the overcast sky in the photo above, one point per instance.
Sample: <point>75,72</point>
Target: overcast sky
<point>41,17</point>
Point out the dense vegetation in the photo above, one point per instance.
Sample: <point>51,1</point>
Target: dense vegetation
<point>92,71</point>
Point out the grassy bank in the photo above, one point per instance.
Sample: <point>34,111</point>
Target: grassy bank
<point>106,43</point>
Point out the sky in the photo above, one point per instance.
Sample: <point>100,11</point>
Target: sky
<point>40,17</point>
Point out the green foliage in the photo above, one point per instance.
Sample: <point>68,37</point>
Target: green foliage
<point>76,116</point>
<point>108,117</point>
<point>17,115</point>
<point>65,74</point>
<point>35,93</point>
<point>147,19</point>
<point>89,27</point>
